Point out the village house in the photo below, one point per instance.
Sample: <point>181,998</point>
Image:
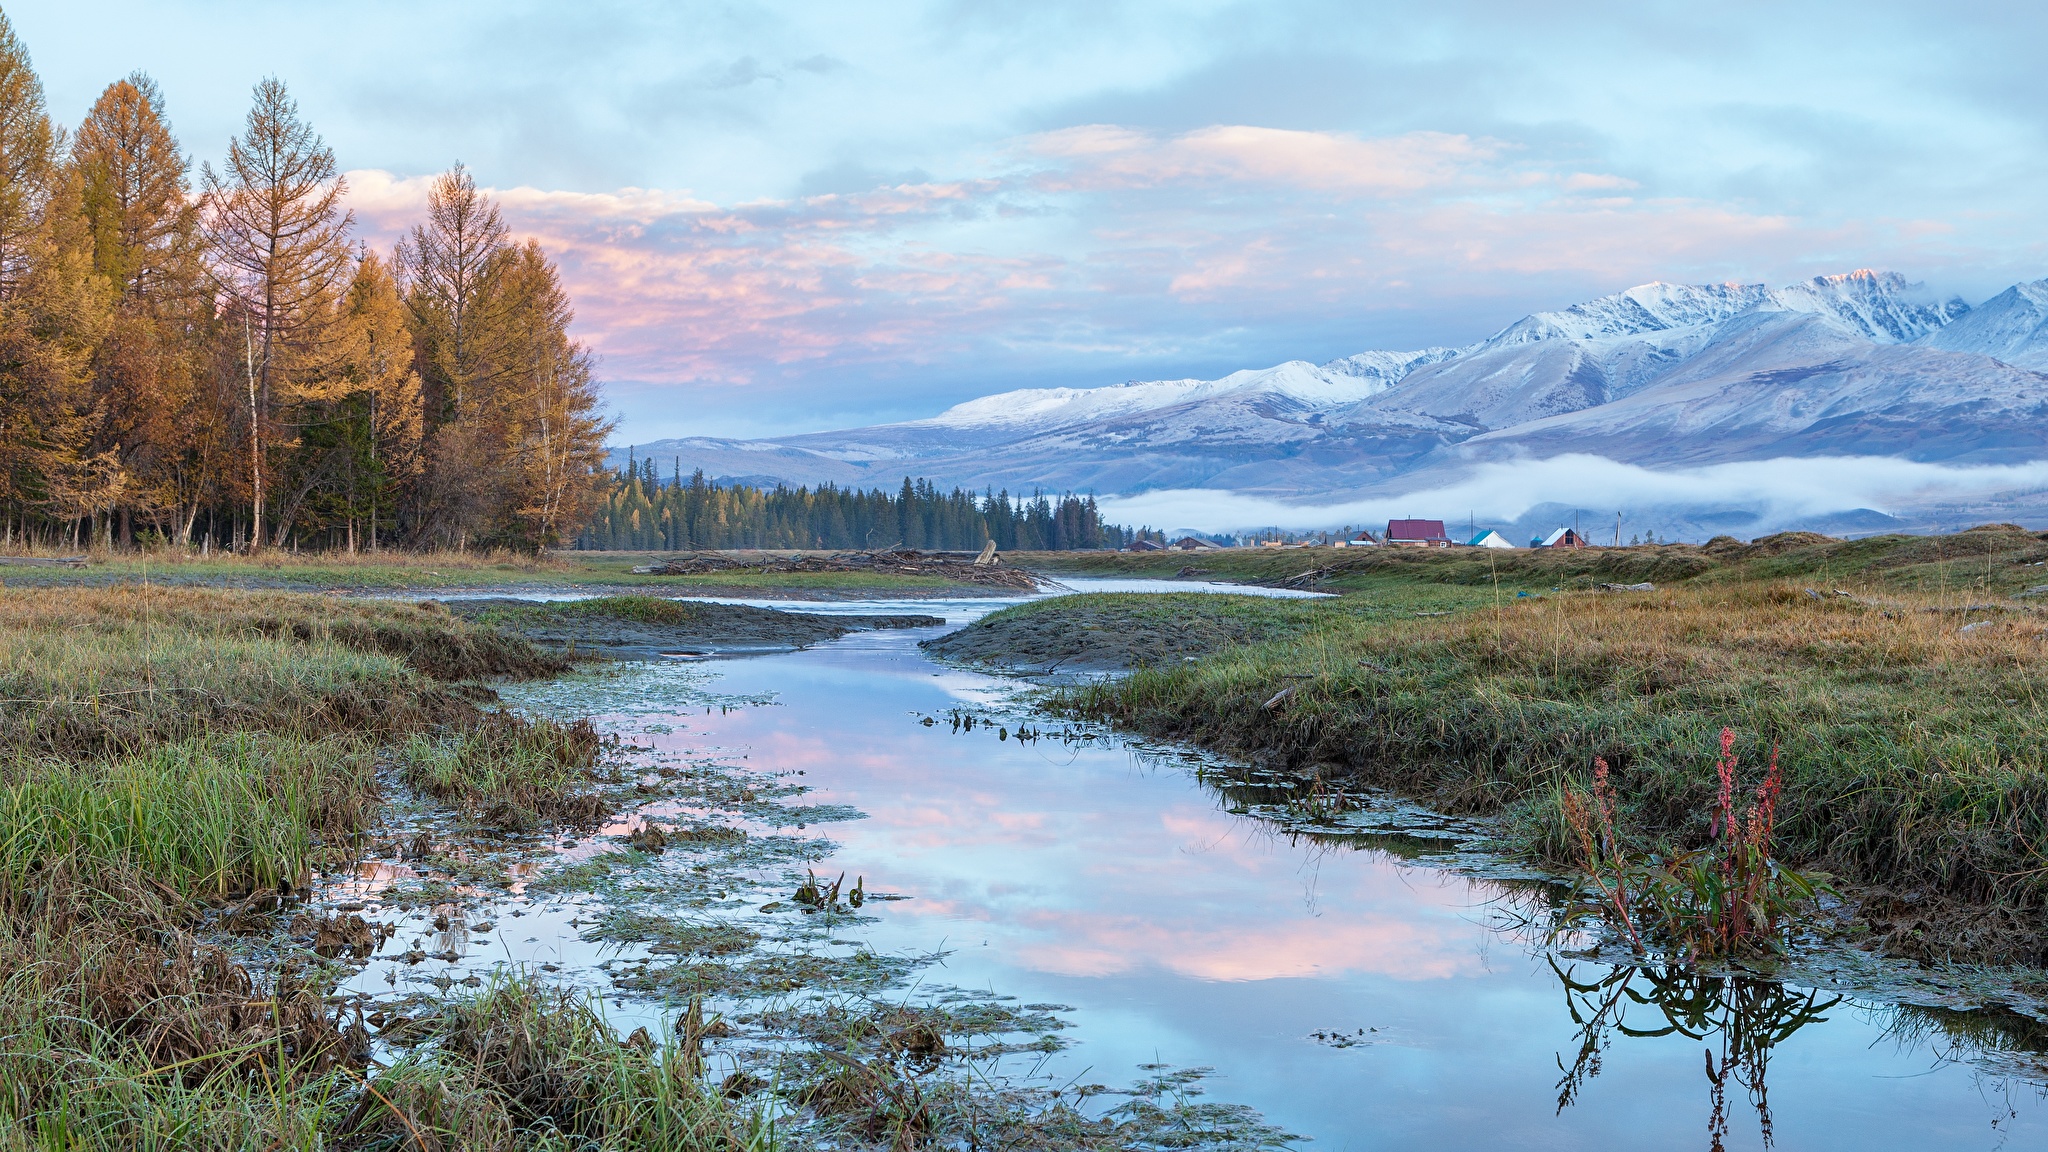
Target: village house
<point>1490,539</point>
<point>1193,544</point>
<point>1417,534</point>
<point>1562,538</point>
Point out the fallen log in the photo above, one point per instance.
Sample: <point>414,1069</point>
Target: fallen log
<point>43,561</point>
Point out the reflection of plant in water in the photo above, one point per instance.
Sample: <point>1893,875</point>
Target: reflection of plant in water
<point>1747,1016</point>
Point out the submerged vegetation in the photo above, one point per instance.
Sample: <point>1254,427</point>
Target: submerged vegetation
<point>1900,681</point>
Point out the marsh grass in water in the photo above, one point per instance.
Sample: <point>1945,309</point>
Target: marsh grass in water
<point>176,749</point>
<point>509,773</point>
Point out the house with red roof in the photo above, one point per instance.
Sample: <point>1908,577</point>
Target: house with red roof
<point>1417,534</point>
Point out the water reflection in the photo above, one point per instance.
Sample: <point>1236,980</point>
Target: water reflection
<point>1249,924</point>
<point>1741,1017</point>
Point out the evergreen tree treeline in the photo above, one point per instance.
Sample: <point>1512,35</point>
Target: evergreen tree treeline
<point>228,364</point>
<point>642,511</point>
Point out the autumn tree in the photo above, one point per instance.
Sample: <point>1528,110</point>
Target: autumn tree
<point>450,262</point>
<point>277,236</point>
<point>52,310</point>
<point>50,323</point>
<point>545,406</point>
<point>513,441</point>
<point>29,148</point>
<point>164,359</point>
<point>144,237</point>
<point>357,450</point>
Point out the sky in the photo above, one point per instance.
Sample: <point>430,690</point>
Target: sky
<point>781,217</point>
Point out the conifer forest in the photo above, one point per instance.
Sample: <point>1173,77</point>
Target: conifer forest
<point>641,510</point>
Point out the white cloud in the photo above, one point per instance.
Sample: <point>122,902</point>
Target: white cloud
<point>1780,489</point>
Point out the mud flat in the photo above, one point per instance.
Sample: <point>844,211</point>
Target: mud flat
<point>640,627</point>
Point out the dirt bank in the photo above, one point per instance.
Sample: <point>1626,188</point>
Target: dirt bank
<point>1115,632</point>
<point>639,626</point>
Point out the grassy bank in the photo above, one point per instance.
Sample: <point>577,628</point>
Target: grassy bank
<point>460,571</point>
<point>91,669</point>
<point>1905,693</point>
<point>1996,560</point>
<point>1122,630</point>
<point>182,761</point>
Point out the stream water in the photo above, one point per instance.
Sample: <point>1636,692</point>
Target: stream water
<point>1349,991</point>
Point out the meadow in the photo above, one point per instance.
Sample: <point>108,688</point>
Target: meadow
<point>452,570</point>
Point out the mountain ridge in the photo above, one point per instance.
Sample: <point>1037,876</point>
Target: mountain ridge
<point>1860,363</point>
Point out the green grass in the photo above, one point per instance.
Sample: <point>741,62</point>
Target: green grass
<point>512,775</point>
<point>1095,630</point>
<point>1993,560</point>
<point>448,571</point>
<point>97,669</point>
<point>640,608</point>
<point>207,817</point>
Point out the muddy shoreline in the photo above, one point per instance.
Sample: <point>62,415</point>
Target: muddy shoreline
<point>642,628</point>
<point>1117,632</point>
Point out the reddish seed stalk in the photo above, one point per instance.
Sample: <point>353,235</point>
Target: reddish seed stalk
<point>1721,897</point>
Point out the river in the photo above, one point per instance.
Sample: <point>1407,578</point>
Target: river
<point>1352,994</point>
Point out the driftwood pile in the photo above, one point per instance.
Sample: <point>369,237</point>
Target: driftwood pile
<point>967,567</point>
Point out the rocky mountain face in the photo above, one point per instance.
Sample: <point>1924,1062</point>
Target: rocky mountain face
<point>1860,364</point>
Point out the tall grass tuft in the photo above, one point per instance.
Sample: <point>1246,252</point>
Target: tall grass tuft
<point>208,817</point>
<point>509,773</point>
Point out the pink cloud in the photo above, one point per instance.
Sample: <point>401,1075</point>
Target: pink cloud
<point>1107,241</point>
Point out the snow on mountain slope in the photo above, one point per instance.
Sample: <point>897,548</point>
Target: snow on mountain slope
<point>2013,326</point>
<point>1778,384</point>
<point>1296,382</point>
<point>1607,349</point>
<point>1882,307</point>
<point>1645,308</point>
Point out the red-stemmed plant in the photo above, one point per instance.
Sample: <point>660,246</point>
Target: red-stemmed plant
<point>1727,897</point>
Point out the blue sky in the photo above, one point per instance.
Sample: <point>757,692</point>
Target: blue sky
<point>781,217</point>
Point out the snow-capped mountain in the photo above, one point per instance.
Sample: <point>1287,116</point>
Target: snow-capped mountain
<point>2012,326</point>
<point>1296,384</point>
<point>1863,363</point>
